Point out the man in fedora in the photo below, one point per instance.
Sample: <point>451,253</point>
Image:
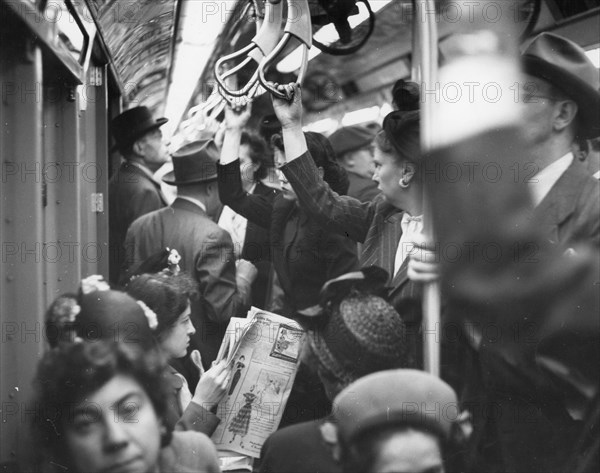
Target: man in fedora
<point>132,190</point>
<point>206,249</point>
<point>561,100</point>
<point>353,146</point>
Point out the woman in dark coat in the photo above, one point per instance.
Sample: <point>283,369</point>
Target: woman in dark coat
<point>305,255</point>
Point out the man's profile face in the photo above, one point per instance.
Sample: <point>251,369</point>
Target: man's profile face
<point>538,109</point>
<point>114,430</point>
<point>361,162</point>
<point>154,149</point>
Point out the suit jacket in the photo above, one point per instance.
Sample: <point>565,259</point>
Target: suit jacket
<point>570,212</point>
<point>131,194</point>
<point>362,188</point>
<point>304,255</point>
<point>207,254</point>
<point>299,447</point>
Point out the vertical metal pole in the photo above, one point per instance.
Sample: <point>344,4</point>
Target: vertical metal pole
<point>425,37</point>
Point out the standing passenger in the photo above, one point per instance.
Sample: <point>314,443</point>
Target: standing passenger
<point>562,105</point>
<point>391,224</point>
<point>251,241</point>
<point>353,146</point>
<point>132,190</point>
<point>206,249</point>
<point>304,255</point>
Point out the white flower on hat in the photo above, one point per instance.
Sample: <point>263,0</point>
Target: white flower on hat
<point>74,312</point>
<point>173,261</point>
<point>150,315</point>
<point>94,283</point>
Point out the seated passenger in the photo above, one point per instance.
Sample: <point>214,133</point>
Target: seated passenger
<point>107,404</point>
<point>168,296</point>
<point>354,334</point>
<point>99,313</point>
<point>398,421</point>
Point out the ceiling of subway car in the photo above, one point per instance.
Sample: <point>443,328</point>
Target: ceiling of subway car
<point>139,36</point>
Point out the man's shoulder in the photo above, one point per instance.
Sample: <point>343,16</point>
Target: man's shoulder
<point>304,431</point>
<point>128,178</point>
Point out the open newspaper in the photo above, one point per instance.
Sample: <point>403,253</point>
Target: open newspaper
<point>263,350</point>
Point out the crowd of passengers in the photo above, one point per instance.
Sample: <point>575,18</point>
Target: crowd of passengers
<point>329,231</point>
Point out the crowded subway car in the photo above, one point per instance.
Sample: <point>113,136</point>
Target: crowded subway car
<point>300,236</point>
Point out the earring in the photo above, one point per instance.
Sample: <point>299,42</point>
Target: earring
<point>404,183</point>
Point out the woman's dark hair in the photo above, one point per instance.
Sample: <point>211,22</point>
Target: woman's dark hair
<point>406,95</point>
<point>167,295</point>
<point>323,155</point>
<point>360,455</point>
<point>401,136</point>
<point>66,375</point>
<point>259,154</point>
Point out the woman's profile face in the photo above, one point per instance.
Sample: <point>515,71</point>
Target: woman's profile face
<point>176,339</point>
<point>409,451</point>
<point>388,174</point>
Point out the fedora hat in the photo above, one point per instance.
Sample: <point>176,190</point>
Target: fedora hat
<point>194,163</point>
<point>565,65</point>
<point>133,124</point>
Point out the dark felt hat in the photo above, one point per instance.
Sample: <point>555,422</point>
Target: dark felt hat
<point>194,163</point>
<point>115,316</point>
<point>362,333</point>
<point>565,65</point>
<point>132,125</point>
<point>350,138</point>
<point>396,397</point>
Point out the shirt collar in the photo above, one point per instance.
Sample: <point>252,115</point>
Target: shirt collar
<point>193,201</point>
<point>542,182</point>
<point>406,219</point>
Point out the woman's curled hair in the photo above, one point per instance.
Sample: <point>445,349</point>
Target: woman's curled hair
<point>167,295</point>
<point>66,375</point>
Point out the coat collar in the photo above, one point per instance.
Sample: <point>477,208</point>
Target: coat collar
<point>183,204</point>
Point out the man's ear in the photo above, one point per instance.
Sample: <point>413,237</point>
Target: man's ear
<point>321,172</point>
<point>138,146</point>
<point>565,113</point>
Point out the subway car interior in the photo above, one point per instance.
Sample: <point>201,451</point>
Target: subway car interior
<point>69,67</point>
